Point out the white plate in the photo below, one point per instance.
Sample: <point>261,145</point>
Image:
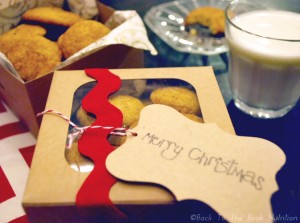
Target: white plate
<point>167,21</point>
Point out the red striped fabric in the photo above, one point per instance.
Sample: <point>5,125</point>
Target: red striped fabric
<point>27,154</point>
<point>16,145</point>
<point>6,191</point>
<point>22,219</point>
<point>12,129</point>
<point>2,108</point>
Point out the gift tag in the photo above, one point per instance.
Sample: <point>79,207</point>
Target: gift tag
<point>234,175</point>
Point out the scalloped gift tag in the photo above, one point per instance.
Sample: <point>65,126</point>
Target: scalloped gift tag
<point>234,175</point>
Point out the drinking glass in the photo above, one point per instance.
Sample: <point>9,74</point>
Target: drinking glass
<point>264,58</point>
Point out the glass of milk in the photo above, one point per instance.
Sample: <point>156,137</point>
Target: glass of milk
<point>264,61</point>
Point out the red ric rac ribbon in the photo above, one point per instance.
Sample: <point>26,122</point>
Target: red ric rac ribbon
<point>94,193</point>
<point>92,199</point>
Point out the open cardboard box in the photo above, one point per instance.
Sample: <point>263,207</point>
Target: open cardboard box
<point>52,185</point>
<point>27,99</point>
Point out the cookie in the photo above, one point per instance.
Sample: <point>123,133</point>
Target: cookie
<point>22,31</point>
<point>211,17</point>
<point>51,15</point>
<point>182,99</point>
<point>80,35</point>
<point>129,106</point>
<point>32,56</point>
<point>77,161</point>
<point>84,118</point>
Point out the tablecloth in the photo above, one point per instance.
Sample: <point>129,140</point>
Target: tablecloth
<point>16,150</point>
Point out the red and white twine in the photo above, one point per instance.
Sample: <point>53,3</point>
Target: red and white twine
<point>119,131</point>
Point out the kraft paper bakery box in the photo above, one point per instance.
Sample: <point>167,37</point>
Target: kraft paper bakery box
<point>122,48</point>
<point>62,188</point>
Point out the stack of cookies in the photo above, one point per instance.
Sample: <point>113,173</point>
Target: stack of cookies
<point>32,48</point>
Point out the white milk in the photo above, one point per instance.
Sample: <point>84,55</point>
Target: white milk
<point>264,72</point>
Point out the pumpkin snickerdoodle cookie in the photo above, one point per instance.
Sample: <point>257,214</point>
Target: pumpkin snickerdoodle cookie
<point>182,99</point>
<point>211,17</point>
<point>32,56</point>
<point>51,15</point>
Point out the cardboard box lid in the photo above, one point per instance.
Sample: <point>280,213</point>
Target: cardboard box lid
<point>53,182</point>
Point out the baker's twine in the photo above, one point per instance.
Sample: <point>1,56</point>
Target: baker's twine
<point>78,131</point>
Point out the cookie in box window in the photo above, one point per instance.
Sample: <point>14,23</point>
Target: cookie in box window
<point>131,108</point>
<point>182,99</point>
<point>85,118</point>
<point>128,105</point>
<point>76,160</point>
